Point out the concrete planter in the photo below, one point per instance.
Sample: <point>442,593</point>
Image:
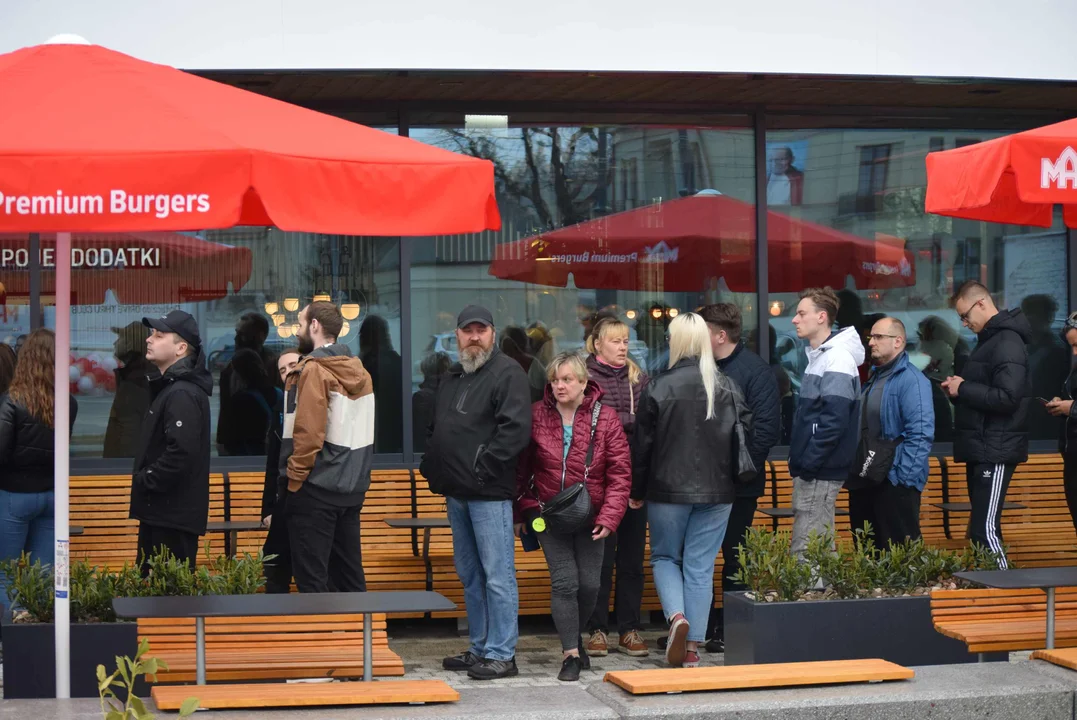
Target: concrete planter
<point>30,656</point>
<point>895,629</point>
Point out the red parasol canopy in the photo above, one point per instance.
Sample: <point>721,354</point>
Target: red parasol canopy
<point>1017,179</point>
<point>95,140</point>
<point>684,245</point>
<point>140,268</point>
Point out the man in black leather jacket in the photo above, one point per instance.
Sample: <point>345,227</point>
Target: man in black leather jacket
<point>991,398</point>
<point>170,487</point>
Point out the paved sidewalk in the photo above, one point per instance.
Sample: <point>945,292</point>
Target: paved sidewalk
<point>538,656</point>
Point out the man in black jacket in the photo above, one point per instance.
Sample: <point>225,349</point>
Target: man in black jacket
<point>481,424</point>
<point>170,487</point>
<point>991,399</point>
<point>278,569</point>
<point>759,388</point>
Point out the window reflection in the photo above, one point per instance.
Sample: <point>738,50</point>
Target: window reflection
<point>869,185</point>
<point>639,222</point>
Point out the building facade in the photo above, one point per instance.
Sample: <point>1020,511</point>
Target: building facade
<point>645,165</point>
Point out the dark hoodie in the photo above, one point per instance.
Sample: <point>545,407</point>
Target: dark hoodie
<point>991,408</point>
<point>328,441</point>
<point>170,487</point>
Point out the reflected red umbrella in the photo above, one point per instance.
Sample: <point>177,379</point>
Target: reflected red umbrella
<point>685,245</point>
<point>153,268</point>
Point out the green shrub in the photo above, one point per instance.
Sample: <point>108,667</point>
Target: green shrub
<point>30,585</point>
<point>851,569</point>
<point>125,676</point>
<point>768,566</point>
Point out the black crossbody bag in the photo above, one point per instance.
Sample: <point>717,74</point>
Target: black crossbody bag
<point>570,509</point>
<point>874,456</point>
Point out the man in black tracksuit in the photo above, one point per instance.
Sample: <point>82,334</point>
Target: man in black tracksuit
<point>170,486</point>
<point>991,399</point>
<point>759,388</point>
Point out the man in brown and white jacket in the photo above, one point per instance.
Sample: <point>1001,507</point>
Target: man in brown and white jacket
<point>326,451</point>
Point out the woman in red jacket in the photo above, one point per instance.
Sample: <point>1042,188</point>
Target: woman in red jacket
<point>561,436</point>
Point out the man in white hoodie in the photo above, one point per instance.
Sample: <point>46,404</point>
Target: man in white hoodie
<point>825,430</point>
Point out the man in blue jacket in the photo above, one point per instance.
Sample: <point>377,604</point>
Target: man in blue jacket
<point>896,404</point>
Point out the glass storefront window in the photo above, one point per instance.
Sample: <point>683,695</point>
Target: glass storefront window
<point>245,286</point>
<point>643,222</point>
<point>863,190</point>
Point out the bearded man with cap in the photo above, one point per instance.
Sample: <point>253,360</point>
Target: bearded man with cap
<point>170,486</point>
<point>481,424</point>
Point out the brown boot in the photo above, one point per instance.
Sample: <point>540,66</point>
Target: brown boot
<point>598,645</point>
<point>632,644</point>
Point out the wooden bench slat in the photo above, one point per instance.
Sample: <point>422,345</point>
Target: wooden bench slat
<point>736,677</point>
<point>220,697</point>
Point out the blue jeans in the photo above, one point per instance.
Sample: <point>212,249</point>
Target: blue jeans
<point>685,540</point>
<point>26,525</point>
<point>485,559</point>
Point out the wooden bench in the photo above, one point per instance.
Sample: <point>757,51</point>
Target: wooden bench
<point>989,620</point>
<point>220,697</point>
<point>1066,658</point>
<point>747,677</point>
<point>270,648</point>
<point>244,607</point>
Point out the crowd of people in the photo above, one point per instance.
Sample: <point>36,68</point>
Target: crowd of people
<point>582,471</point>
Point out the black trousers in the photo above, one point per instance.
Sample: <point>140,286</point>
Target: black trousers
<point>327,553</point>
<point>740,519</point>
<point>624,548</point>
<point>278,571</point>
<point>183,545</point>
<point>1069,483</point>
<point>987,492</point>
<point>892,510</point>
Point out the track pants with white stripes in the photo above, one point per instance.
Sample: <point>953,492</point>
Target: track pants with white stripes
<point>987,492</point>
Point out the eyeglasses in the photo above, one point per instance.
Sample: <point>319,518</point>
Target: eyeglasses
<point>965,315</point>
<point>879,336</point>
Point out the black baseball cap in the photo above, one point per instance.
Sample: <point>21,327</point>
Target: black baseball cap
<point>474,314</point>
<point>179,322</point>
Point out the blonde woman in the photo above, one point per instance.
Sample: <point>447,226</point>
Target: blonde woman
<point>683,467</point>
<point>622,381</point>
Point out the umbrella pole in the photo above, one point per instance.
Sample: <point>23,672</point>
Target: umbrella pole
<point>62,415</point>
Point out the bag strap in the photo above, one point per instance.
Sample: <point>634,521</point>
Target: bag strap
<point>591,442</point>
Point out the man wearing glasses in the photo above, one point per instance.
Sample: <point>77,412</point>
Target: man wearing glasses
<point>991,400</point>
<point>895,408</point>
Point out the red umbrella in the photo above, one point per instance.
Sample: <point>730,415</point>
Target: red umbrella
<point>1017,179</point>
<point>685,245</point>
<point>92,140</point>
<point>139,268</point>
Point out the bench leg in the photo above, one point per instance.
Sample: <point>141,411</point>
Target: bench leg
<point>1050,618</point>
<point>368,648</point>
<point>200,650</point>
<point>980,657</point>
<point>462,626</point>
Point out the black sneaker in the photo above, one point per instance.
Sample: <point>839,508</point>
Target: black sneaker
<point>570,669</point>
<point>715,645</point>
<point>493,670</point>
<point>662,641</point>
<point>466,661</point>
